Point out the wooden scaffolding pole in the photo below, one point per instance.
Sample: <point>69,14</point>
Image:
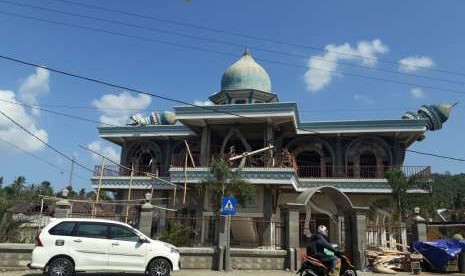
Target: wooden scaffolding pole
<point>188,154</point>
<point>129,193</point>
<point>102,166</point>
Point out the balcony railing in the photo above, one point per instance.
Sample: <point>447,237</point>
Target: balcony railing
<point>283,161</point>
<point>114,170</point>
<point>262,160</point>
<point>359,172</point>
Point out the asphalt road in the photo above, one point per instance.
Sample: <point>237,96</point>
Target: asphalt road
<point>184,272</point>
<point>201,272</point>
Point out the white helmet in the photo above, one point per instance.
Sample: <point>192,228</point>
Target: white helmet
<point>323,230</point>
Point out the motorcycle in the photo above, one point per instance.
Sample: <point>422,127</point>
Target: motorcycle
<point>314,267</point>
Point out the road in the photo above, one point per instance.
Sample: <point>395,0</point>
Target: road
<point>201,272</point>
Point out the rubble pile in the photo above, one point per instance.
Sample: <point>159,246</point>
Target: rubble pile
<point>390,261</point>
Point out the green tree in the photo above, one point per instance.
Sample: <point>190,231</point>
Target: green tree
<point>82,193</point>
<point>400,184</point>
<point>45,188</point>
<point>226,182</point>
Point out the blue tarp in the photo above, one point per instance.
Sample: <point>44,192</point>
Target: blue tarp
<point>439,252</point>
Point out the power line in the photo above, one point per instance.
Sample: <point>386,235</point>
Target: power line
<point>410,84</point>
<point>22,103</point>
<point>226,42</point>
<point>57,113</point>
<point>43,142</point>
<point>145,93</point>
<point>62,170</point>
<point>436,155</point>
<point>121,87</point>
<point>256,38</point>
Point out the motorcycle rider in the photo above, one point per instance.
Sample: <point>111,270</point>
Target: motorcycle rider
<point>317,243</point>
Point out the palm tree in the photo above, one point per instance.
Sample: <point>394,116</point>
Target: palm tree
<point>226,182</point>
<point>400,184</point>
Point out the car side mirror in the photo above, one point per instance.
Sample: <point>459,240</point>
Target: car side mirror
<point>143,240</point>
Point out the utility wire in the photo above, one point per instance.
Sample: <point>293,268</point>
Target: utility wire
<point>237,34</point>
<point>301,110</point>
<point>57,113</point>
<point>146,93</point>
<point>43,142</point>
<point>90,79</point>
<point>436,155</point>
<point>147,39</point>
<point>227,42</point>
<point>62,170</point>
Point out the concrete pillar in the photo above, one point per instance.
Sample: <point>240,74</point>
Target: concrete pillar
<point>62,209</point>
<point>205,147</point>
<point>290,216</point>
<point>419,228</point>
<point>224,243</point>
<point>339,158</point>
<point>359,236</point>
<point>145,219</point>
<point>268,231</point>
<point>267,140</point>
<point>162,214</point>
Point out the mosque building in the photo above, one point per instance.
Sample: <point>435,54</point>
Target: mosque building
<point>336,163</point>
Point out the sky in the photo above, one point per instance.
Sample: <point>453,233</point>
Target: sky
<point>339,60</point>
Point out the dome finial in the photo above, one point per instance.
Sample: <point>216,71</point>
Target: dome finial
<point>245,74</point>
<point>247,51</point>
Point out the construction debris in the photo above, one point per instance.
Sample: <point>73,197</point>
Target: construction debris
<point>390,261</point>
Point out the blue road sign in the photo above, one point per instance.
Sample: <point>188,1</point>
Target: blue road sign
<point>229,206</point>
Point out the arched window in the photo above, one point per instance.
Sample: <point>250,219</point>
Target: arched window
<point>144,158</point>
<point>179,154</point>
<point>367,158</point>
<point>314,159</point>
<point>368,165</point>
<point>309,164</point>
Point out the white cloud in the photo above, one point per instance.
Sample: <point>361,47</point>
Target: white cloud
<point>417,93</point>
<point>116,109</point>
<point>415,63</point>
<point>364,99</point>
<point>322,68</point>
<point>12,133</point>
<point>34,86</point>
<point>203,103</point>
<point>106,150</point>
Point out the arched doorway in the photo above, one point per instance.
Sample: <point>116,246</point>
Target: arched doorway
<point>347,223</point>
<point>330,207</point>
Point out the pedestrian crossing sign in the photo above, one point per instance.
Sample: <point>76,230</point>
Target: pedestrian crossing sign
<point>229,206</point>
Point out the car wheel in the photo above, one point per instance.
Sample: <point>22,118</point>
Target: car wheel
<point>159,267</point>
<point>61,267</point>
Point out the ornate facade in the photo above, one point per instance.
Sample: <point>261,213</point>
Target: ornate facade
<point>352,156</point>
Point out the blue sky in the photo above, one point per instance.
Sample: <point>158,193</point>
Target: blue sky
<point>427,32</point>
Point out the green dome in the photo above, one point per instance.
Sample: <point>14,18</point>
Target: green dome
<point>246,73</point>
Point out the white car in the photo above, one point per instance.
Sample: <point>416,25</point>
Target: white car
<point>65,246</point>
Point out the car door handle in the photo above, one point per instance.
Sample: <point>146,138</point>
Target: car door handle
<point>77,240</point>
<point>115,243</point>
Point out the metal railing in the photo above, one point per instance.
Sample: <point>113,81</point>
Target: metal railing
<point>280,160</point>
<point>359,172</point>
<point>115,170</point>
<point>393,237</point>
<point>248,232</point>
<point>441,230</point>
<point>188,231</point>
